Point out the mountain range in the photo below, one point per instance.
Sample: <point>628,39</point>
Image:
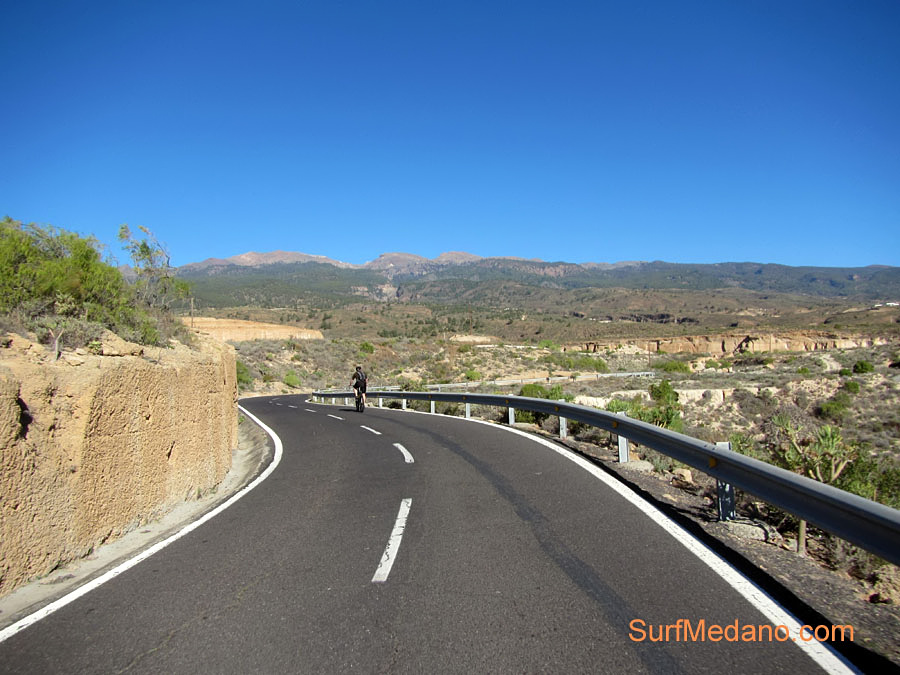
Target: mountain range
<point>283,275</point>
<point>390,264</point>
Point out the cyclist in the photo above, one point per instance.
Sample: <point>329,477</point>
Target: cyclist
<point>358,382</point>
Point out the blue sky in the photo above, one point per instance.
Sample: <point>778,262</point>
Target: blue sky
<point>581,131</point>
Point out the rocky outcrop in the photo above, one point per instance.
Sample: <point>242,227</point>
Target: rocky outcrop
<point>728,345</point>
<point>92,445</point>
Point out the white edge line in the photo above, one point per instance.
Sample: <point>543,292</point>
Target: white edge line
<point>823,654</point>
<point>406,455</point>
<point>377,433</point>
<point>393,545</point>
<point>47,610</point>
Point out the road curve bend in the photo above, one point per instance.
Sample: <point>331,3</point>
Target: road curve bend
<point>397,541</point>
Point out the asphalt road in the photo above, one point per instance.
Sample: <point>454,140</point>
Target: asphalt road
<point>512,558</point>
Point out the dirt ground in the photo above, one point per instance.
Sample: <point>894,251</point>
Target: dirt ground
<point>238,330</point>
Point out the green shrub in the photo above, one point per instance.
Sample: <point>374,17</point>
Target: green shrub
<point>845,372</point>
<point>617,405</point>
<point>836,408</point>
<point>667,416</point>
<point>664,393</point>
<point>666,411</point>
<point>863,367</point>
<point>366,348</point>
<point>672,366</point>
<point>291,379</point>
<point>556,394</point>
<point>472,375</point>
<point>875,478</point>
<point>832,410</point>
<point>803,370</point>
<point>852,386</point>
<point>533,390</point>
<point>71,331</point>
<point>244,378</point>
<point>746,445</point>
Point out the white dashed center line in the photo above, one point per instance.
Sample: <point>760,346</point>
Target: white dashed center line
<point>335,417</point>
<point>408,457</point>
<point>377,433</point>
<point>393,545</point>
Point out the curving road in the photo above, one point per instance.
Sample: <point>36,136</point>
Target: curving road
<point>402,542</point>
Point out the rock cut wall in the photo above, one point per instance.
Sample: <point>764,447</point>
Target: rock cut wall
<point>92,446</point>
<point>728,345</point>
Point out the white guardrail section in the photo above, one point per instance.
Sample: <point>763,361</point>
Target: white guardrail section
<point>872,526</point>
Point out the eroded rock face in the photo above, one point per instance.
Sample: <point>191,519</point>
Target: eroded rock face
<point>728,345</point>
<point>92,446</point>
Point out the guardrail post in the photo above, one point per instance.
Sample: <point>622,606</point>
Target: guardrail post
<point>512,416</point>
<point>563,432</point>
<point>725,492</point>
<point>403,405</point>
<point>623,444</point>
<point>380,402</point>
<point>432,407</point>
<point>468,410</point>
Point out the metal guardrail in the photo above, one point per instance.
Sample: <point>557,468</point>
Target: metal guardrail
<point>872,526</point>
<point>509,382</point>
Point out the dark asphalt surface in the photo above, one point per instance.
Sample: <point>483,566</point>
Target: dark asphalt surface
<point>513,559</point>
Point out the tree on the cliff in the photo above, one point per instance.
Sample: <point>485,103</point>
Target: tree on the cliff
<point>156,283</point>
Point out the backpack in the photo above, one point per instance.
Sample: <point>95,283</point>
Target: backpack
<point>360,377</point>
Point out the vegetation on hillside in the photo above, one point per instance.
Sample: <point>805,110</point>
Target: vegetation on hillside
<point>494,282</point>
<point>281,285</point>
<point>55,284</point>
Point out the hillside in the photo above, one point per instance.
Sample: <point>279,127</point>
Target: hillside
<point>280,279</point>
<point>518,300</point>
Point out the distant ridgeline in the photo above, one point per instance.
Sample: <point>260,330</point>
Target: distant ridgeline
<point>220,283</point>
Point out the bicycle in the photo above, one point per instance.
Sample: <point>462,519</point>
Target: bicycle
<point>360,402</point>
